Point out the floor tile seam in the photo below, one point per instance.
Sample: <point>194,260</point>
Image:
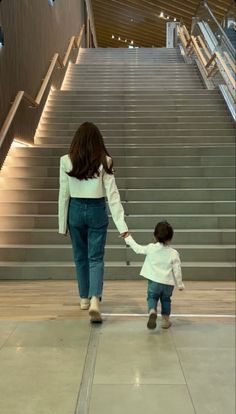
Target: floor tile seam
<point>44,347</point>
<point>86,384</point>
<point>133,384</point>
<point>8,337</point>
<point>183,372</point>
<point>205,348</point>
<point>174,315</point>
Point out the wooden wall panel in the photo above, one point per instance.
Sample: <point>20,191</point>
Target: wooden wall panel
<point>34,31</point>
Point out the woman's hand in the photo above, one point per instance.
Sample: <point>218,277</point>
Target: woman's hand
<point>124,235</point>
<point>181,287</point>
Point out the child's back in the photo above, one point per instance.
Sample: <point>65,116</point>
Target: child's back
<point>162,262</point>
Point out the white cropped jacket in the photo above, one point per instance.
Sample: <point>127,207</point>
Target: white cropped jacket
<point>162,263</point>
<point>102,186</point>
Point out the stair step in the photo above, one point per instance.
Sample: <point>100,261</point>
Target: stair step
<point>76,107</point>
<point>63,141</point>
<point>132,74</point>
<point>135,131</point>
<point>133,150</point>
<point>134,61</point>
<point>178,221</point>
<point>72,114</point>
<point>131,208</point>
<point>103,118</point>
<point>143,125</point>
<point>63,253</point>
<point>128,183</point>
<point>170,194</point>
<point>210,94</point>
<point>137,81</point>
<point>140,171</point>
<point>146,74</point>
<point>131,161</point>
<point>113,271</point>
<point>144,236</point>
<point>134,98</point>
<point>112,87</point>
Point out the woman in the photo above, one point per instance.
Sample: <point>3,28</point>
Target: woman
<point>86,176</point>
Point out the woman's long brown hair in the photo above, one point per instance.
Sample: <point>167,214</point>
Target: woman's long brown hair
<point>88,152</point>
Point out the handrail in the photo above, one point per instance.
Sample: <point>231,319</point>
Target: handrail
<point>22,95</point>
<point>226,40</point>
<point>213,17</point>
<point>210,62</point>
<point>203,3</point>
<point>232,64</point>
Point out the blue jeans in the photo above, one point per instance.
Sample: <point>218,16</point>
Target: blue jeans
<point>87,223</point>
<point>160,291</point>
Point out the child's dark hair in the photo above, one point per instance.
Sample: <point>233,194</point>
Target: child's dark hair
<point>163,232</point>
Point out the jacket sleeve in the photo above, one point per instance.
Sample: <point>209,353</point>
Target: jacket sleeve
<point>177,270</point>
<point>137,248</point>
<point>64,197</point>
<point>115,206</point>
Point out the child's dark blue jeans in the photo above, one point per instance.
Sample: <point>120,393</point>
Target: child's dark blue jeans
<point>160,291</point>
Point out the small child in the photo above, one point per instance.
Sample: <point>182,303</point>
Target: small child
<point>162,268</point>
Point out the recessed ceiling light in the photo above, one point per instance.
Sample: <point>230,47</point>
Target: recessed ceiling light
<point>161,14</point>
<point>132,42</point>
<point>175,19</point>
<point>113,37</point>
<point>119,38</point>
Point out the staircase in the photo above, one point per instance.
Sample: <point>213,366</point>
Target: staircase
<point>173,144</point>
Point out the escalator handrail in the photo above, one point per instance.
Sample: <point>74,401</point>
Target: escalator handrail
<point>224,36</point>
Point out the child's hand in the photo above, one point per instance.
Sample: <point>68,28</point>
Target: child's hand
<point>124,235</point>
<point>181,288</point>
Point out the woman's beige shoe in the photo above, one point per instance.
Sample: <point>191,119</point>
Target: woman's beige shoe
<point>84,304</point>
<point>166,323</point>
<point>94,310</point>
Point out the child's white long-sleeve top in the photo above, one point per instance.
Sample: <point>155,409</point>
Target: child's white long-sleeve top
<point>162,263</point>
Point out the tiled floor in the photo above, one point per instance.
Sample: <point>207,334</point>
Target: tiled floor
<point>188,369</point>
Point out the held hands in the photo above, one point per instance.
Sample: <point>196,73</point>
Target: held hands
<point>124,235</point>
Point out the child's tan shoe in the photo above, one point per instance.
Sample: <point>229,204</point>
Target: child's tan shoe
<point>152,320</point>
<point>166,323</point>
<point>84,303</point>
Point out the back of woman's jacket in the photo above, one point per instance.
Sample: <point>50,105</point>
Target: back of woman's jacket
<point>98,187</point>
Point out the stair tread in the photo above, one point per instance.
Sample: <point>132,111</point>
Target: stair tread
<point>114,246</point>
<point>112,264</point>
<point>127,203</point>
<point>43,216</point>
<point>221,230</point>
